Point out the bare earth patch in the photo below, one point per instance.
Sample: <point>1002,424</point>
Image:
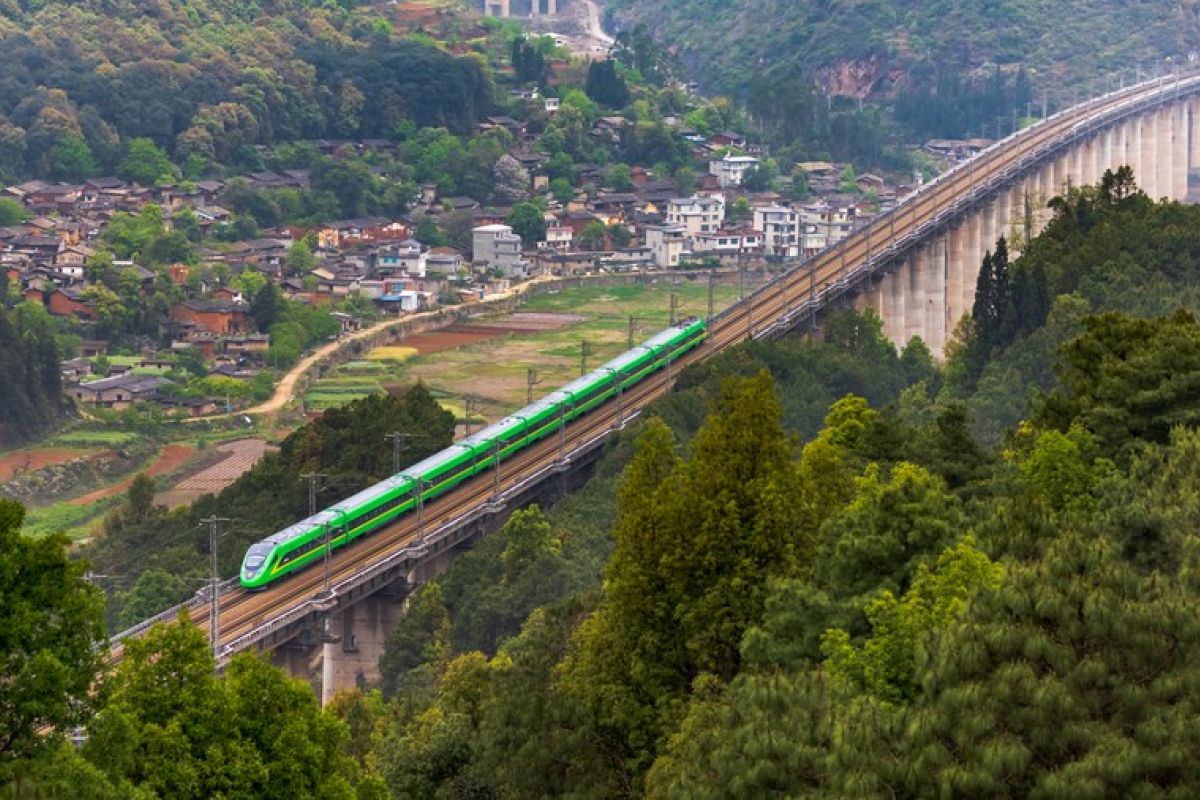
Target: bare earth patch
<point>172,458</point>
<point>22,461</point>
<point>240,456</point>
<point>464,334</point>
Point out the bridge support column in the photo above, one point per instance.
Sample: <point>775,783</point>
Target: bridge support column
<point>913,293</point>
<point>1064,180</point>
<point>937,326</point>
<point>1046,193</point>
<point>1180,142</point>
<point>1089,149</point>
<point>1194,138</point>
<point>1004,214</point>
<point>1132,130</point>
<point>956,291</point>
<point>1105,155</point>
<point>1016,220</point>
<point>1148,133</point>
<point>971,259</point>
<point>891,300</point>
<point>1164,152</point>
<point>1079,163</point>
<point>359,637</point>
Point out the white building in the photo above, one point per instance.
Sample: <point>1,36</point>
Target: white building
<point>559,237</point>
<point>731,170</point>
<point>728,245</point>
<point>697,214</point>
<point>780,227</point>
<point>407,257</point>
<point>667,244</point>
<point>497,247</point>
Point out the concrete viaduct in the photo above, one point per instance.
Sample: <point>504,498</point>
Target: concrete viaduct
<point>932,286</point>
<point>916,265</point>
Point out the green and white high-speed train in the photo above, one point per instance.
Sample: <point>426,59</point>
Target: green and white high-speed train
<point>299,545</point>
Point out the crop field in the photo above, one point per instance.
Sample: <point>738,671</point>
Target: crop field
<point>391,353</point>
<point>239,457</point>
<point>491,358</point>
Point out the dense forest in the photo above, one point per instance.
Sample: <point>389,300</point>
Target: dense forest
<point>808,573</point>
<point>208,80</point>
<point>31,396</point>
<point>943,52</point>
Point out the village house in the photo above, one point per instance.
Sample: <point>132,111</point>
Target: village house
<point>118,392</point>
<point>63,302</point>
<point>213,316</point>
<point>780,228</point>
<point>697,214</point>
<point>728,246</point>
<point>730,171</point>
<point>497,247</point>
<point>668,244</point>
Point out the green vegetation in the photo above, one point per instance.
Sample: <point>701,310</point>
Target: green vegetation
<point>31,395</point>
<point>802,575</point>
<point>95,87</point>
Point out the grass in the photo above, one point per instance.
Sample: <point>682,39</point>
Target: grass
<point>95,438</point>
<point>74,522</point>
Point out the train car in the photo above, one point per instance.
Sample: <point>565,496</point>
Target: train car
<point>304,542</point>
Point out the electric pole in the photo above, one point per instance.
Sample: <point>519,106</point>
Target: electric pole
<point>396,438</point>
<point>585,350</point>
<point>712,280</point>
<point>313,478</point>
<point>468,407</point>
<point>674,308</point>
<point>531,380</point>
<point>214,601</point>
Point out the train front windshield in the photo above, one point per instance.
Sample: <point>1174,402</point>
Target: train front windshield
<point>255,558</point>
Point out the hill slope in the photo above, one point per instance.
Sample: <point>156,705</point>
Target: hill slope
<point>864,47</point>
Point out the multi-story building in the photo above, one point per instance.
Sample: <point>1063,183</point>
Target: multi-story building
<point>731,170</point>
<point>698,214</point>
<point>729,245</point>
<point>780,227</point>
<point>667,243</point>
<point>497,247</point>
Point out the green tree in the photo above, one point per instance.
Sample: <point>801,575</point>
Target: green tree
<point>299,259</point>
<point>11,212</point>
<point>145,162</point>
<point>605,86</point>
<point>886,664</point>
<point>168,726</point>
<point>618,179</point>
<point>529,222</point>
<point>48,640</point>
<point>680,588</point>
<point>71,159</point>
<point>593,236</point>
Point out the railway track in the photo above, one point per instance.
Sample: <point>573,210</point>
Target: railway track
<point>770,309</point>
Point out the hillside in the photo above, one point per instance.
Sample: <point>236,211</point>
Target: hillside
<point>209,80</point>
<point>867,47</point>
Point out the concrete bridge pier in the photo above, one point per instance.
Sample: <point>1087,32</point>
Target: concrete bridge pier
<point>1133,149</point>
<point>1149,139</point>
<point>1180,142</point>
<point>357,638</point>
<point>1163,152</point>
<point>1194,138</point>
